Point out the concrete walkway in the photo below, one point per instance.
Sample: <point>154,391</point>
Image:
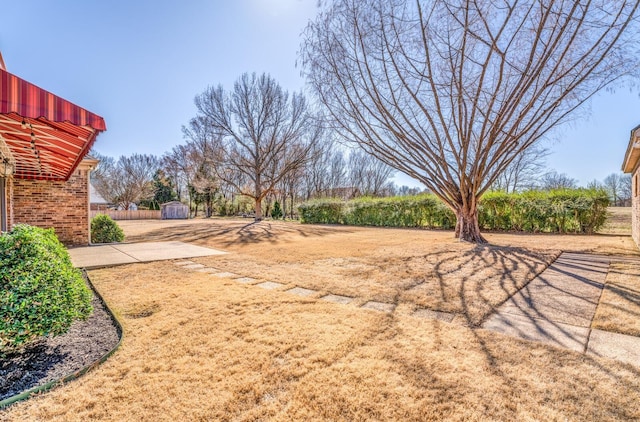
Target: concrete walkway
<point>98,256</point>
<point>558,306</point>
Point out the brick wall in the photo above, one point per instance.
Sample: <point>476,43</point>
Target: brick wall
<point>635,204</point>
<point>61,205</point>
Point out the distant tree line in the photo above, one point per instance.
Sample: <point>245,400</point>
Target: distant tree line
<point>246,150</point>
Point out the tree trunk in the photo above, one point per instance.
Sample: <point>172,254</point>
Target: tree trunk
<point>467,227</point>
<point>258,197</point>
<point>258,210</point>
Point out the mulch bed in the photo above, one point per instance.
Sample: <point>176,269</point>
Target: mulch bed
<point>54,358</point>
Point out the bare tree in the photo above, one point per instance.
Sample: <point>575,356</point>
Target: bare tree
<point>126,181</point>
<point>451,92</point>
<point>172,162</point>
<point>369,175</point>
<point>618,187</point>
<point>202,149</point>
<point>554,180</point>
<point>264,133</point>
<point>325,171</point>
<point>524,171</point>
<point>182,164</point>
<point>625,191</point>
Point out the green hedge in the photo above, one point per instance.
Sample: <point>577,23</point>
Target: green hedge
<point>556,211</point>
<point>559,211</point>
<point>405,211</point>
<point>41,293</point>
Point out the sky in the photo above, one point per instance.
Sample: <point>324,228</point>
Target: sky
<point>140,63</point>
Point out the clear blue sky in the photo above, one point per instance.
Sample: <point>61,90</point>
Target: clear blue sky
<point>139,64</point>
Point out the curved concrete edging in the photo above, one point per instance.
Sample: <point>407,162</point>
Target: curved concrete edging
<point>77,374</point>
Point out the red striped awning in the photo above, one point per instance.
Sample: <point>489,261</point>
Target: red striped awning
<point>46,135</point>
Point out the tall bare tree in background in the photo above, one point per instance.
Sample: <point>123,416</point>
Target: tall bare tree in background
<point>618,187</point>
<point>553,180</point>
<point>175,167</point>
<point>524,171</point>
<point>325,171</point>
<point>451,92</point>
<point>201,147</point>
<point>125,181</point>
<point>263,133</point>
<point>369,175</point>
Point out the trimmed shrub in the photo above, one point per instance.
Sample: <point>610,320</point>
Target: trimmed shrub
<point>324,211</point>
<point>105,230</point>
<point>558,211</point>
<point>41,293</point>
<point>404,211</point>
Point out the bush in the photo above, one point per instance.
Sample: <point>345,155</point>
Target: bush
<point>276,213</point>
<point>326,211</point>
<point>105,230</point>
<point>404,211</point>
<point>555,211</point>
<point>558,211</point>
<point>41,293</point>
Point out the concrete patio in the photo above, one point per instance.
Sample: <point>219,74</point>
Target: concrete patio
<point>98,256</point>
<point>558,306</point>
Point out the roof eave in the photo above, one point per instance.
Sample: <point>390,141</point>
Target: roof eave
<point>632,155</point>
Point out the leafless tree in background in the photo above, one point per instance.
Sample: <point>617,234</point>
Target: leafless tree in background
<point>618,187</point>
<point>369,175</point>
<point>554,180</point>
<point>173,164</point>
<point>451,92</point>
<point>182,164</point>
<point>264,133</point>
<point>325,171</point>
<point>126,181</point>
<point>524,171</point>
<point>625,191</point>
<point>202,149</point>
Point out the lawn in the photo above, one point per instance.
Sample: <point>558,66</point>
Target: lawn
<point>199,347</point>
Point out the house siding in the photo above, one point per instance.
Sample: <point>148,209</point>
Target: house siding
<point>635,205</point>
<point>63,206</point>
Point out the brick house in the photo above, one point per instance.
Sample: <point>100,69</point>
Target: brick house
<point>44,171</point>
<point>631,165</point>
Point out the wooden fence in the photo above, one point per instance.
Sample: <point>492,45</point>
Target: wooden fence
<point>129,215</point>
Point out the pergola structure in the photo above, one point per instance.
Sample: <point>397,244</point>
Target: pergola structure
<point>43,138</point>
<point>46,136</point>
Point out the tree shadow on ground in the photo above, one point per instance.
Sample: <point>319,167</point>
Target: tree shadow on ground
<point>227,234</point>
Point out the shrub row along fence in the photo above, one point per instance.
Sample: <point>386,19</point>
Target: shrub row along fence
<point>558,211</point>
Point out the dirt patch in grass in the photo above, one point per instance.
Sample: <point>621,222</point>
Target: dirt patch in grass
<point>619,306</point>
<point>216,349</point>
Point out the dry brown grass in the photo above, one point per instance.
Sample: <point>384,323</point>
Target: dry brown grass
<point>419,267</point>
<point>198,347</point>
<point>213,349</point>
<point>619,307</point>
<point>618,221</point>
